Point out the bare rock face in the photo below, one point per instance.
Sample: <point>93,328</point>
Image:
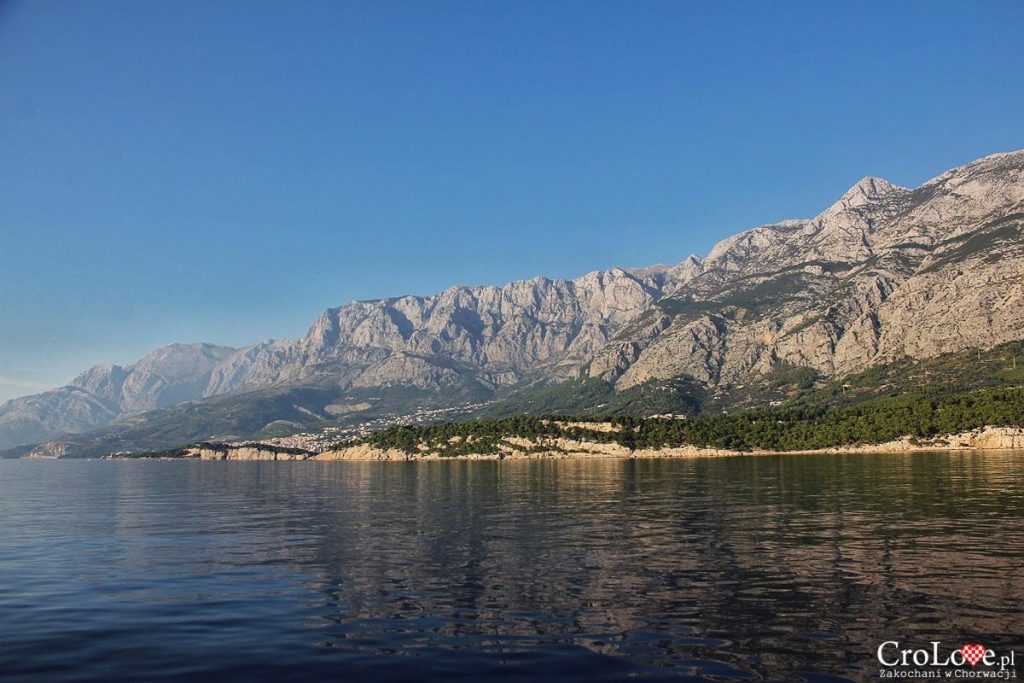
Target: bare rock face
<point>885,272</point>
<point>243,452</point>
<point>492,336</point>
<point>483,336</point>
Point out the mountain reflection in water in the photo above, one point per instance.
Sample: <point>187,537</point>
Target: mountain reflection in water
<point>754,568</point>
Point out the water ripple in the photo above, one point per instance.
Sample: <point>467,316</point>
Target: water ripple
<point>774,568</point>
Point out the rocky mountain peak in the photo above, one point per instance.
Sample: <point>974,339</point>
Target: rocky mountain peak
<point>867,191</point>
<point>884,272</point>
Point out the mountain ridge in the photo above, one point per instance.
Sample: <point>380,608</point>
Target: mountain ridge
<point>872,277</point>
<point>533,321</point>
<point>838,291</point>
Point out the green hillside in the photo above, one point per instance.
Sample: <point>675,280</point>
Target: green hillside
<point>919,414</point>
<point>785,386</point>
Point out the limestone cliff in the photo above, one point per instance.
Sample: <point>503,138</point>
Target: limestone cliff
<point>494,336</point>
<point>486,336</point>
<point>987,438</point>
<point>885,272</point>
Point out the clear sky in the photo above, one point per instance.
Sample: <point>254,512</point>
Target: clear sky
<point>223,171</point>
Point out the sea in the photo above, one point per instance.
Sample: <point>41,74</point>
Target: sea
<point>767,568</point>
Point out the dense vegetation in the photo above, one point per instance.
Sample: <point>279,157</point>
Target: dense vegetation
<point>785,386</point>
<point>920,414</point>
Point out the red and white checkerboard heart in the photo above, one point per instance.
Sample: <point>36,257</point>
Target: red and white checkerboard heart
<point>973,653</point>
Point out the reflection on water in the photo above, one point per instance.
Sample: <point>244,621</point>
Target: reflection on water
<point>768,568</point>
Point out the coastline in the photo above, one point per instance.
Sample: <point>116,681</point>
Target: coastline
<point>987,438</point>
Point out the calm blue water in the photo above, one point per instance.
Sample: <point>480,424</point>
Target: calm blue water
<point>770,568</point>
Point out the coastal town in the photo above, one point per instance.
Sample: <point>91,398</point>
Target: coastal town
<point>326,438</point>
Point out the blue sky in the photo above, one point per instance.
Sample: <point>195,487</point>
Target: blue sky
<point>223,171</point>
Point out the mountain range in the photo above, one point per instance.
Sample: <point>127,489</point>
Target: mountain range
<point>883,274</point>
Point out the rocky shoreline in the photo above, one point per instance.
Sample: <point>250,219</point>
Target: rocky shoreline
<point>988,438</point>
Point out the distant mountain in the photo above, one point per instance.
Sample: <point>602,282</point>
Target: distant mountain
<point>487,337</point>
<point>104,393</point>
<point>885,273</point>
